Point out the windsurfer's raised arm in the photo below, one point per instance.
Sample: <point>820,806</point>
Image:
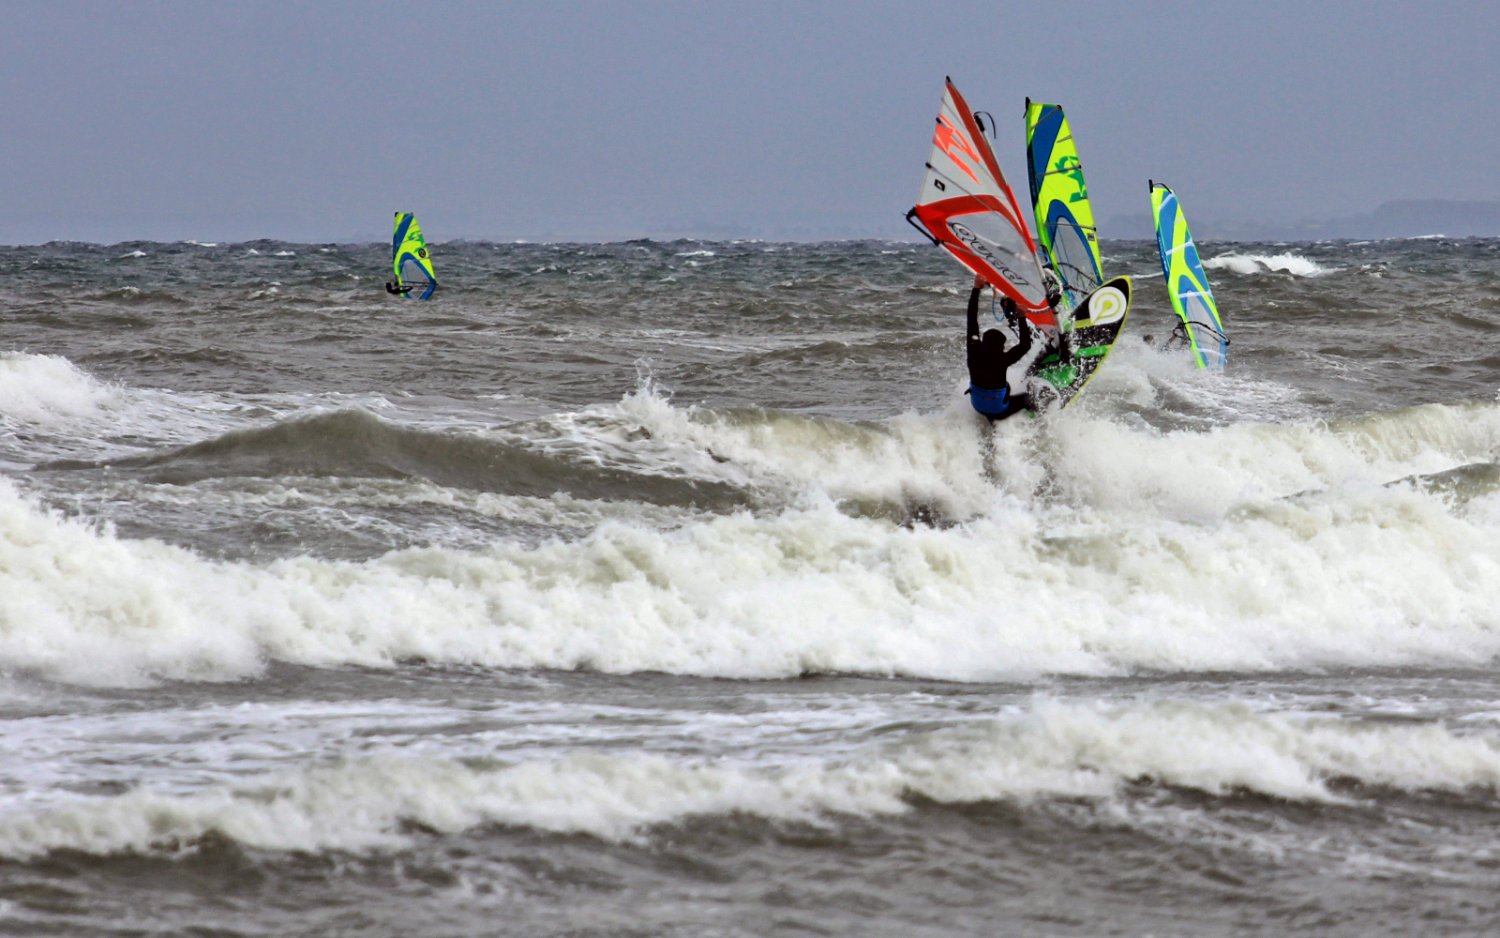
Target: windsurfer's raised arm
<point>973,313</point>
<point>1023,340</point>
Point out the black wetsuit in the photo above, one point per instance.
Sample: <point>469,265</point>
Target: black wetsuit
<point>987,371</point>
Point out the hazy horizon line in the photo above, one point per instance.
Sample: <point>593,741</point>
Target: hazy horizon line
<point>363,241</point>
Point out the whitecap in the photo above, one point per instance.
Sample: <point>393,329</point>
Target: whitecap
<point>1294,264</point>
<point>379,799</point>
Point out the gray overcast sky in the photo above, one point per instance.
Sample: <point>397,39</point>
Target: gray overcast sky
<point>605,120</point>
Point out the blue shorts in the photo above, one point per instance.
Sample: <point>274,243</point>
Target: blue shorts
<point>988,401</point>
<point>997,405</point>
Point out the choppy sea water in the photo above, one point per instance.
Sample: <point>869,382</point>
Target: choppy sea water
<point>674,589</point>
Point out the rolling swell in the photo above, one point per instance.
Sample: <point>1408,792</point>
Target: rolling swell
<point>1226,637</point>
<point>358,444</point>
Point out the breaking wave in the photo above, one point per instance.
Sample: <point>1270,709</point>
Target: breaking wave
<point>1246,264</point>
<point>1052,750</point>
<point>1267,548</point>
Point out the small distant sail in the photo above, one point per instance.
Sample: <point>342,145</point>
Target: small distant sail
<point>1187,284</point>
<point>1064,219</point>
<point>410,259</point>
<point>966,207</point>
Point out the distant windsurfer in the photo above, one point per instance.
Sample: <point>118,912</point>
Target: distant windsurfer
<point>989,359</point>
<point>1178,338</point>
<point>397,289</point>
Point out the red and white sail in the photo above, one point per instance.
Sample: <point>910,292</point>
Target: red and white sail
<point>969,209</point>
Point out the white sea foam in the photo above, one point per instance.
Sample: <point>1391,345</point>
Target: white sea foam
<point>1101,546</point>
<point>1210,566</point>
<point>914,458</point>
<point>49,396</point>
<point>1050,750</point>
<point>43,388</point>
<point>1294,264</point>
<point>1100,462</point>
<point>131,254</point>
<point>48,393</point>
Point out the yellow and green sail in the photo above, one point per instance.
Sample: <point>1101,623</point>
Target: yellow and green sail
<point>1064,218</point>
<point>410,260</point>
<point>1187,283</point>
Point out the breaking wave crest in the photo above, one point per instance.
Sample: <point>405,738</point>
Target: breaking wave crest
<point>1052,750</point>
<point>1348,548</point>
<point>1246,264</point>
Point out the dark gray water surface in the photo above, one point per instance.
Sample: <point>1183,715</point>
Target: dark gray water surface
<point>673,589</point>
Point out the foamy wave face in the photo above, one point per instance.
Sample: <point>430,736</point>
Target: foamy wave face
<point>1053,750</point>
<point>1259,548</point>
<point>50,394</point>
<point>912,460</point>
<point>1203,476</point>
<point>69,413</point>
<point>44,388</point>
<point>1294,264</point>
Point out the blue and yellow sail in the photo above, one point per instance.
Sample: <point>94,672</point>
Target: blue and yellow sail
<point>1187,284</point>
<point>1064,218</point>
<point>410,260</point>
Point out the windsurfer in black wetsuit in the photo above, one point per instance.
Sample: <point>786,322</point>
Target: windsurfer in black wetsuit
<point>989,360</point>
<point>1178,338</point>
<point>397,289</point>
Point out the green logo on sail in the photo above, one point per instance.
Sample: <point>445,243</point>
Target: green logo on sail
<point>1071,167</point>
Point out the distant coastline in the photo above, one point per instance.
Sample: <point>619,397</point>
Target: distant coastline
<point>1404,218</point>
